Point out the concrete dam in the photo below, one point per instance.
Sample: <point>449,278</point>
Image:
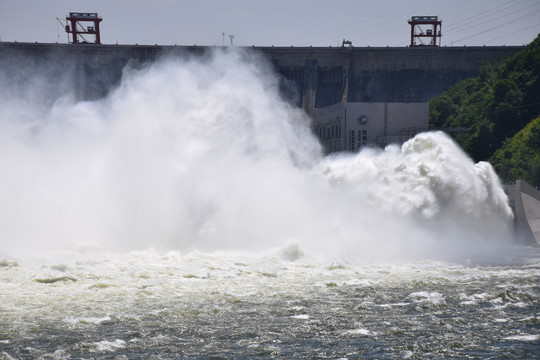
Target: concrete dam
<point>312,77</point>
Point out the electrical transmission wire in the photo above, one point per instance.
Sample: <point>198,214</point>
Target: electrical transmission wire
<point>472,19</point>
<point>497,27</point>
<point>515,32</point>
<point>476,24</point>
<point>479,15</point>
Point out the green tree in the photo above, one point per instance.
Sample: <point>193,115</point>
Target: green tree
<point>519,157</point>
<point>495,105</point>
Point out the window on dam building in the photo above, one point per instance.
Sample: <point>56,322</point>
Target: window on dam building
<point>328,132</point>
<point>362,137</point>
<point>357,140</point>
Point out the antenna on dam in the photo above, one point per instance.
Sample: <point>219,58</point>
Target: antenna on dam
<point>78,30</point>
<point>425,28</point>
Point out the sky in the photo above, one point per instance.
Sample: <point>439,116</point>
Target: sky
<point>275,22</point>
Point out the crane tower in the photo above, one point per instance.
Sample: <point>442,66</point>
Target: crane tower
<point>79,30</point>
<point>425,30</point>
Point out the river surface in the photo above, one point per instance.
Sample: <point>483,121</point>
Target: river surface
<point>277,304</point>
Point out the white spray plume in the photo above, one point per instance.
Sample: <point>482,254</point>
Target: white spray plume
<point>205,154</point>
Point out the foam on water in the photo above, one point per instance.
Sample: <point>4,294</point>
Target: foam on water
<point>105,346</point>
<point>247,305</point>
<point>434,298</point>
<point>205,154</point>
<point>524,337</point>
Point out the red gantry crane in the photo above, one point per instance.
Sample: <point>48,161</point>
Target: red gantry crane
<point>78,28</point>
<point>425,28</point>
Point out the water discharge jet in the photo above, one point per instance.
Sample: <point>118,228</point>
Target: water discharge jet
<point>205,154</point>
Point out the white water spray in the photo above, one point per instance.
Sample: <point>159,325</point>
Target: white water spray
<point>191,154</point>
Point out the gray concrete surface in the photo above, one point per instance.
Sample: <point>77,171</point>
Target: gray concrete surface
<point>316,77</point>
<point>525,202</point>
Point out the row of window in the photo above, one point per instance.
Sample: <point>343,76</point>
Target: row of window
<point>328,132</point>
<point>357,142</point>
<point>331,133</point>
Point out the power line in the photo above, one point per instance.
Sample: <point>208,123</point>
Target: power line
<point>475,17</point>
<point>459,28</point>
<point>515,32</point>
<point>490,13</point>
<point>476,24</point>
<point>455,8</point>
<point>496,27</point>
<point>384,25</point>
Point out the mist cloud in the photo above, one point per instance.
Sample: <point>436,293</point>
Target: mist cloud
<point>205,154</point>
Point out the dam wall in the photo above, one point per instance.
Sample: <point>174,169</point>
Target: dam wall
<point>525,203</point>
<point>311,77</point>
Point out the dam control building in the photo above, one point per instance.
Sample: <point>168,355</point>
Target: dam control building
<point>351,126</point>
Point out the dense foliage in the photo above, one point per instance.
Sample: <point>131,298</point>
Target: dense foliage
<point>519,157</point>
<point>494,107</point>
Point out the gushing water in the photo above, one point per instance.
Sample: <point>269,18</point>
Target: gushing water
<point>190,214</point>
<point>191,154</point>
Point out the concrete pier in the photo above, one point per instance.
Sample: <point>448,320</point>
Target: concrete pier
<point>525,203</point>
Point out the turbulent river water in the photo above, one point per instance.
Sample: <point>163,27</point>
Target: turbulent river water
<point>191,214</point>
<point>280,304</point>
